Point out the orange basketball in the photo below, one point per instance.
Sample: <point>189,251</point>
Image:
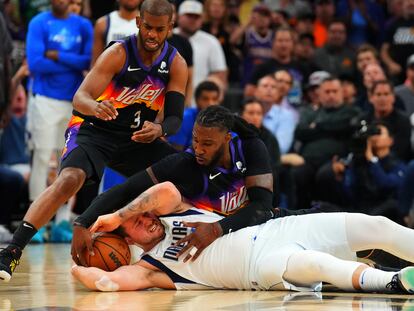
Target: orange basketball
<point>111,252</point>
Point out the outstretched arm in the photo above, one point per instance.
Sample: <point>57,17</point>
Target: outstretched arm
<point>131,277</point>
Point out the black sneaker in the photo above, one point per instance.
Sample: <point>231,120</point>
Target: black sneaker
<point>9,260</point>
<point>403,281</point>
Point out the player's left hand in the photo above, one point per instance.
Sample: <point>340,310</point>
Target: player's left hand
<point>203,236</point>
<point>149,132</point>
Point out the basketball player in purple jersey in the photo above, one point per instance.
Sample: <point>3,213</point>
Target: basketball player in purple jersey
<point>113,119</point>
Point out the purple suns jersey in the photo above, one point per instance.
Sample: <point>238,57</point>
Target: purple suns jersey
<point>137,92</point>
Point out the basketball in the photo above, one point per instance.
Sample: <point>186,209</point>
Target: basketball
<point>111,252</point>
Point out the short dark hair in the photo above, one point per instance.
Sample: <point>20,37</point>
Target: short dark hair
<point>366,47</point>
<point>157,8</point>
<point>206,86</point>
<point>375,84</point>
<point>249,100</point>
<point>216,116</point>
<point>330,79</point>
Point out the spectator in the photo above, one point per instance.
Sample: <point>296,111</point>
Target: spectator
<point>372,72</point>
<point>399,43</point>
<point>312,99</point>
<point>284,82</point>
<point>324,14</point>
<point>335,57</point>
<point>282,58</point>
<point>206,94</point>
<point>208,55</point>
<point>76,7</point>
<point>255,40</point>
<point>58,50</point>
<point>406,91</point>
<point>252,112</point>
<point>365,20</point>
<point>369,179</point>
<point>216,23</point>
<point>366,54</point>
<point>348,89</point>
<point>382,98</point>
<point>323,133</point>
<point>115,26</point>
<point>293,8</point>
<point>304,25</point>
<point>279,120</point>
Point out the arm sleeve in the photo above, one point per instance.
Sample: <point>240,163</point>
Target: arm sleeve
<point>257,211</point>
<point>35,50</point>
<point>80,61</point>
<point>115,198</point>
<point>173,112</point>
<point>257,157</point>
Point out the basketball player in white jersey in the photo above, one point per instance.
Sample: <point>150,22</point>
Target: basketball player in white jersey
<point>290,253</point>
<point>115,26</point>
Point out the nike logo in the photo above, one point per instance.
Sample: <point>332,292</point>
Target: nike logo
<point>133,69</point>
<point>214,176</point>
<point>27,226</point>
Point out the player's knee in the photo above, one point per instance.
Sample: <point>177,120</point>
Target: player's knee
<point>379,226</point>
<point>69,180</point>
<point>306,261</point>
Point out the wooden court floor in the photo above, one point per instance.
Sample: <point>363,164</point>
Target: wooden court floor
<point>43,282</point>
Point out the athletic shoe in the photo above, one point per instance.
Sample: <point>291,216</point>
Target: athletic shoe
<point>9,260</point>
<point>403,281</point>
<point>59,234</point>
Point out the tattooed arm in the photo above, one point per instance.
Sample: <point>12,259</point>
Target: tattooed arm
<point>160,199</point>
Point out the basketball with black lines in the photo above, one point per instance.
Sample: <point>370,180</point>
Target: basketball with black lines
<point>111,252</point>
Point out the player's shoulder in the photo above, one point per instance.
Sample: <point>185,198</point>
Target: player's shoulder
<point>83,21</point>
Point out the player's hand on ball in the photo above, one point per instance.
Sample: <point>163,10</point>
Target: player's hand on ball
<point>149,132</point>
<point>106,223</point>
<point>82,239</point>
<point>203,236</point>
<point>105,110</point>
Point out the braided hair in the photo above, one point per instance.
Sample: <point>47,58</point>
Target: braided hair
<point>216,116</point>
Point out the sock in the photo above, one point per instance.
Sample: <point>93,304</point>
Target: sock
<point>23,234</point>
<point>372,280</point>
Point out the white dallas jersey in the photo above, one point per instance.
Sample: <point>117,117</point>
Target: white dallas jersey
<point>118,28</point>
<point>224,264</point>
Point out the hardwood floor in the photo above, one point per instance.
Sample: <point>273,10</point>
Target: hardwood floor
<point>43,282</point>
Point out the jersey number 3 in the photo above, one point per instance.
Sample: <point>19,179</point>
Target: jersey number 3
<point>137,120</point>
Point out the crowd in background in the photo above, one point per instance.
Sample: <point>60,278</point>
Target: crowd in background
<point>329,84</point>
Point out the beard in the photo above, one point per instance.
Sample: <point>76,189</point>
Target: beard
<point>216,158</point>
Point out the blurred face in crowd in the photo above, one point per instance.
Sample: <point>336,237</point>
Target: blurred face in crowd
<point>216,9</point>
<point>129,5</point>
<point>349,92</point>
<point>75,6</point>
<point>337,35</point>
<point>364,59</point>
<point>283,44</point>
<point>408,8</point>
<point>253,113</point>
<point>60,7</point>
<point>372,73</point>
<point>304,26</point>
<point>330,93</point>
<point>304,49</point>
<point>190,23</point>
<point>153,31</point>
<point>266,90</point>
<point>284,82</point>
<point>382,98</point>
<point>325,10</point>
<point>207,98</point>
<point>260,22</point>
<point>381,141</point>
<point>410,74</point>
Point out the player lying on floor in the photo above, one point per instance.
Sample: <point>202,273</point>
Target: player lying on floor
<point>295,252</point>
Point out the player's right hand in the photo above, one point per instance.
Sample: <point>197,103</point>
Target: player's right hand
<point>106,223</point>
<point>105,110</point>
<point>82,239</point>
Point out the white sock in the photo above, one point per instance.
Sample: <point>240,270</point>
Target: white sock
<point>372,280</point>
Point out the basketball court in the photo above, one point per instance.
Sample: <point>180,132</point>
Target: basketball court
<point>43,282</point>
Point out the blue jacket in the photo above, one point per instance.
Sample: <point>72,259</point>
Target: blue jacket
<point>72,38</point>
